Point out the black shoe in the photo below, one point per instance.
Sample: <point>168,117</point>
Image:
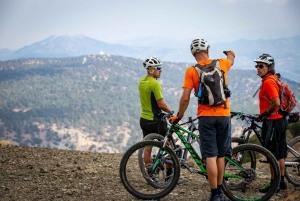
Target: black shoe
<point>282,185</point>
<point>216,198</point>
<point>267,187</point>
<point>180,181</point>
<point>223,198</point>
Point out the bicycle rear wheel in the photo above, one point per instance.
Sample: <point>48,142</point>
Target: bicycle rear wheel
<point>252,179</point>
<point>136,180</point>
<point>235,141</point>
<point>238,141</point>
<point>292,162</point>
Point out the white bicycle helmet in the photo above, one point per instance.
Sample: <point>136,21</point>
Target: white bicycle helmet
<point>198,45</point>
<point>265,58</point>
<point>152,62</point>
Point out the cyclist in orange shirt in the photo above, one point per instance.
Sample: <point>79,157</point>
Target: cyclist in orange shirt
<point>274,124</point>
<point>214,121</point>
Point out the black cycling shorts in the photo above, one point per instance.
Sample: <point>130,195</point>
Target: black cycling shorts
<point>153,126</point>
<point>274,137</point>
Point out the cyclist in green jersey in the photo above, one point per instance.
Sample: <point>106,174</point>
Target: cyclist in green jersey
<point>152,103</point>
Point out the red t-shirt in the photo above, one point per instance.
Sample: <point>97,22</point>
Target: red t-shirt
<point>269,91</point>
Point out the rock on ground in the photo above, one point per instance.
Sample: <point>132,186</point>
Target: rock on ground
<point>43,174</point>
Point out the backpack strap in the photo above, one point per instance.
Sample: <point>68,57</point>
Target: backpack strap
<point>260,87</point>
<point>199,68</point>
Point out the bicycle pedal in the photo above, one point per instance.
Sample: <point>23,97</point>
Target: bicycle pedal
<point>184,165</point>
<point>196,171</point>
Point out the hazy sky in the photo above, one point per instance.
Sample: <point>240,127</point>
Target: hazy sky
<point>23,22</point>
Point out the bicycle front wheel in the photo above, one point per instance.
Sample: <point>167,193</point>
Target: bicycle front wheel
<point>292,167</point>
<point>156,137</point>
<point>238,170</point>
<point>136,180</point>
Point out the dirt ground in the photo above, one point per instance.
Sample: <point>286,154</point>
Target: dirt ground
<point>41,174</point>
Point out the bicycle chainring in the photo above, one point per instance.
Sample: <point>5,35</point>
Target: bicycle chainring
<point>248,175</point>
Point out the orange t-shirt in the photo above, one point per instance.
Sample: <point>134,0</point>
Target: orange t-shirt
<point>191,81</point>
<point>270,91</point>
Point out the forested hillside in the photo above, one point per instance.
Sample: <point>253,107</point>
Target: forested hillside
<point>91,102</point>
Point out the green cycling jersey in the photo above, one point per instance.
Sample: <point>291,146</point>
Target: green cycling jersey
<point>150,91</point>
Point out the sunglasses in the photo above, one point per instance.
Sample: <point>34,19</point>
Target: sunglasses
<point>259,66</point>
<point>157,67</point>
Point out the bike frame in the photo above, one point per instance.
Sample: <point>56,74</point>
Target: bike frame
<point>179,132</point>
<point>254,127</point>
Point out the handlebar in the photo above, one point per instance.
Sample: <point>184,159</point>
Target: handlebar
<point>243,116</point>
<point>292,117</point>
<point>190,121</point>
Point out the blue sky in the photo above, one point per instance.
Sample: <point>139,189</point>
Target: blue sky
<point>23,22</point>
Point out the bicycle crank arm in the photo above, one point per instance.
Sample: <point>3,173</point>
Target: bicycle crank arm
<point>263,161</point>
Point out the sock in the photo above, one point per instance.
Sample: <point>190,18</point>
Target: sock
<point>214,192</point>
<point>169,171</point>
<point>282,178</point>
<point>219,189</point>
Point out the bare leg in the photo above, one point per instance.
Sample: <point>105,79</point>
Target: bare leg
<point>221,167</point>
<point>282,166</point>
<point>212,171</point>
<point>147,155</point>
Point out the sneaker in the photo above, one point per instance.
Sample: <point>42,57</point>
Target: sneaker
<point>267,187</point>
<point>180,181</point>
<point>282,185</point>
<point>216,198</point>
<point>223,198</point>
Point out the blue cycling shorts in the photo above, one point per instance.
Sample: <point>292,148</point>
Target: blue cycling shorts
<point>215,136</point>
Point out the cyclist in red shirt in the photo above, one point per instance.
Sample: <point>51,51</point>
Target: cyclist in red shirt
<point>274,124</point>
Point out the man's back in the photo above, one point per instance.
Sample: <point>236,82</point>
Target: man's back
<point>191,80</point>
<point>150,91</point>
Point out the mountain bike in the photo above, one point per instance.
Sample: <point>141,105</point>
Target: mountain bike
<point>180,149</point>
<point>292,162</point>
<point>241,182</point>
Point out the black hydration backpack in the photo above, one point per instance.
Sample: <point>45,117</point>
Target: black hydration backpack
<point>212,89</point>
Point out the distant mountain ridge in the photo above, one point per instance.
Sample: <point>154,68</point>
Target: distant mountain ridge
<point>91,102</point>
<point>286,51</point>
<point>70,46</point>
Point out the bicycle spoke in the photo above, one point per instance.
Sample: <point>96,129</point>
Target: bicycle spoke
<point>292,162</point>
<point>153,181</point>
<point>256,163</point>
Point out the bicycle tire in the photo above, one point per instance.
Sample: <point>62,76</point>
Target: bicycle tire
<point>238,140</point>
<point>252,159</point>
<point>292,172</point>
<point>151,136</point>
<point>256,178</point>
<point>241,141</point>
<point>133,179</point>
